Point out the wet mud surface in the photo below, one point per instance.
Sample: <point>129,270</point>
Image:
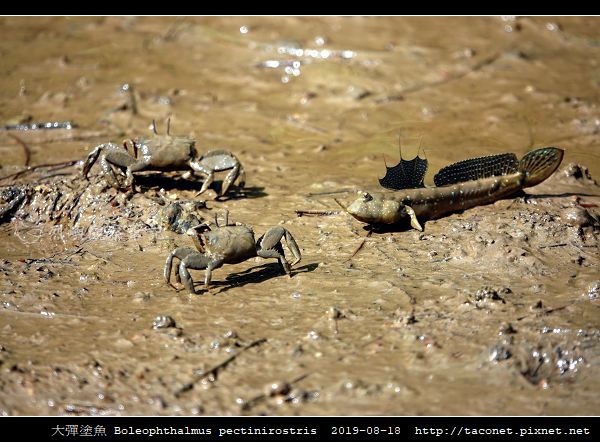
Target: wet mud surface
<point>490,311</point>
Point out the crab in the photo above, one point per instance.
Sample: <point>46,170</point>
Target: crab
<point>227,244</point>
<point>164,153</point>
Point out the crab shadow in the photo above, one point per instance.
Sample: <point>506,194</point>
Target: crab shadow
<point>152,180</point>
<point>237,193</point>
<point>252,275</point>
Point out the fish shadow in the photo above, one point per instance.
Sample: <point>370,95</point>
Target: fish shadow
<point>253,275</point>
<point>390,228</point>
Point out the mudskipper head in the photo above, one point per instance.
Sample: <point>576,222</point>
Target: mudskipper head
<point>363,207</point>
<point>375,209</point>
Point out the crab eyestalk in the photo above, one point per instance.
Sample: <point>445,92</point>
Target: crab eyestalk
<point>226,217</point>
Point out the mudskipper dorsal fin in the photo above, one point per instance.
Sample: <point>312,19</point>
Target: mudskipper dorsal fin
<point>477,168</point>
<point>407,174</point>
<point>539,164</point>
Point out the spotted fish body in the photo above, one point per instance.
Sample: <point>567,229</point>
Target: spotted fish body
<point>496,177</point>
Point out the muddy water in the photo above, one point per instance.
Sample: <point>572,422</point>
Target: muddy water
<point>491,311</point>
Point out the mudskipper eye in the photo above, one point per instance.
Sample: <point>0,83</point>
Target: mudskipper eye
<point>367,197</point>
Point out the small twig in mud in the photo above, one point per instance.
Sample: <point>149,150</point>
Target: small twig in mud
<point>283,389</point>
<point>562,244</point>
<point>50,259</point>
<point>25,147</point>
<point>40,166</point>
<point>360,246</point>
<point>214,371</point>
<point>317,212</point>
<point>333,192</point>
<point>555,309</point>
<point>76,252</point>
<point>79,248</point>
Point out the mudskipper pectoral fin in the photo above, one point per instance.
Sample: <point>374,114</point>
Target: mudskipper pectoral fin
<point>414,222</point>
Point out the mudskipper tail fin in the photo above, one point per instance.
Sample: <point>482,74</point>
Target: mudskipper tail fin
<point>539,164</point>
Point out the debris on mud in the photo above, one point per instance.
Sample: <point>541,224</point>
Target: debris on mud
<point>544,363</point>
<point>163,321</point>
<point>92,211</point>
<point>579,173</point>
<point>180,216</point>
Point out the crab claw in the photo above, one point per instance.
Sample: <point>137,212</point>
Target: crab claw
<point>197,230</point>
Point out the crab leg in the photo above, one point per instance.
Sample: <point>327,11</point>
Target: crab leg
<point>230,178</point>
<point>210,175</point>
<point>109,173</point>
<point>110,155</point>
<point>197,261</point>
<point>180,253</point>
<point>215,264</point>
<point>269,246</point>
